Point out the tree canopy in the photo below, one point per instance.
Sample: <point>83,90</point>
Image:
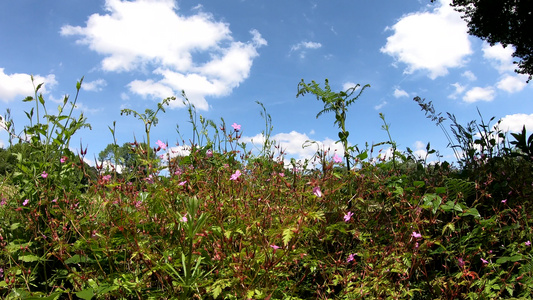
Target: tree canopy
<point>508,22</point>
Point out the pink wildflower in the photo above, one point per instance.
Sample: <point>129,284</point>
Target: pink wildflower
<point>182,183</point>
<point>44,174</point>
<point>460,262</point>
<point>209,153</point>
<point>149,179</point>
<point>416,235</point>
<point>275,247</point>
<point>317,191</point>
<point>161,145</point>
<point>348,216</point>
<point>337,159</point>
<point>235,175</point>
<point>528,243</point>
<point>236,126</point>
<point>63,159</point>
<point>184,218</point>
<point>484,261</point>
<point>350,257</point>
<point>25,202</point>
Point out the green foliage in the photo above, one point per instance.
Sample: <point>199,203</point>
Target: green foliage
<point>226,224</point>
<point>523,144</point>
<point>336,102</point>
<point>149,118</point>
<point>128,157</point>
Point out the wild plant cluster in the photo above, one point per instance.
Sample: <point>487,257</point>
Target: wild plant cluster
<point>224,222</point>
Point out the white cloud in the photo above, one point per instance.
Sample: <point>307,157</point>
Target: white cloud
<point>292,144</point>
<point>347,85</point>
<point>420,150</point>
<point>19,85</point>
<point>197,7</point>
<point>302,46</point>
<point>469,75</point>
<point>306,45</point>
<point>86,109</point>
<point>108,166</point>
<point>379,106</point>
<point>500,57</point>
<point>94,86</point>
<point>432,41</point>
<point>479,94</point>
<point>514,123</point>
<point>178,151</point>
<point>459,89</point>
<point>150,34</point>
<point>512,84</point>
<point>400,93</point>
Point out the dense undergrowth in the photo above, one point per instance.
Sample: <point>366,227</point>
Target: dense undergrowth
<point>227,223</point>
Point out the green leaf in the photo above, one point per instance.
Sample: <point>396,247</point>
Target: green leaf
<point>433,201</point>
<point>471,212</point>
<point>363,155</point>
<point>216,291</point>
<point>419,184</point>
<point>53,296</point>
<point>29,258</point>
<point>288,233</point>
<point>451,206</point>
<point>449,226</point>
<point>505,259</point>
<point>441,190</point>
<point>77,259</point>
<point>14,226</point>
<point>87,294</point>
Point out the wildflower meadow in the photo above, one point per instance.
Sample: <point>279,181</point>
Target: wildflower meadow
<point>225,222</point>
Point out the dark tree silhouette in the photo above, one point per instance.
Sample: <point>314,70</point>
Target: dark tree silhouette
<point>508,22</point>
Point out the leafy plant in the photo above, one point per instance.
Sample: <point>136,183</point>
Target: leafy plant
<point>336,102</point>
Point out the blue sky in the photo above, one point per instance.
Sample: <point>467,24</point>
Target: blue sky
<point>227,55</point>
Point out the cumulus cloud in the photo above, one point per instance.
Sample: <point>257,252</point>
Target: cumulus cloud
<point>94,86</point>
<point>433,41</point>
<point>292,144</point>
<point>459,89</point>
<point>19,85</point>
<point>512,84</point>
<point>469,75</point>
<point>514,123</point>
<point>479,94</point>
<point>193,53</point>
<point>501,58</point>
<point>400,93</point>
